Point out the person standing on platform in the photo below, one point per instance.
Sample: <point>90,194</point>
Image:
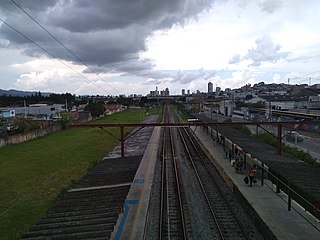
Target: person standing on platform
<point>252,174</point>
<point>223,140</point>
<point>236,150</point>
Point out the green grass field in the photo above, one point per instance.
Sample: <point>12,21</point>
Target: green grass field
<point>33,174</point>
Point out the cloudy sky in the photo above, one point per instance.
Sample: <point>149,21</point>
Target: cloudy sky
<point>131,46</point>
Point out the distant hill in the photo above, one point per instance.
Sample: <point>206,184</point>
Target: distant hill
<point>18,93</point>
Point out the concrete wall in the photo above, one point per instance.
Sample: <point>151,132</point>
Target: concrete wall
<point>19,138</point>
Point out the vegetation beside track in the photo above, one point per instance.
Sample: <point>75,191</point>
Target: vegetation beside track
<point>184,116</point>
<point>33,174</point>
<point>294,151</point>
<point>271,140</point>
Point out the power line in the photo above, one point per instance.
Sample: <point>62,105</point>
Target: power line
<point>304,75</point>
<point>74,55</point>
<point>52,55</point>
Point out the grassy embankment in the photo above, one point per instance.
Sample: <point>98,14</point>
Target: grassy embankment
<point>183,115</point>
<point>33,174</point>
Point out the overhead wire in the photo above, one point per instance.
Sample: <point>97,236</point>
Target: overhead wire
<point>52,55</point>
<point>67,49</point>
<point>304,75</point>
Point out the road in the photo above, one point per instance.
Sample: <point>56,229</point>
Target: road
<point>309,144</point>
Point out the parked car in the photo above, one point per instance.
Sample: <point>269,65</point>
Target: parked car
<point>294,136</point>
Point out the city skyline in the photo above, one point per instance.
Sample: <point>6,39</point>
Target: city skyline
<point>174,44</point>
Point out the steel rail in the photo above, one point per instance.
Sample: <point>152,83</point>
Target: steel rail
<point>178,180</point>
<point>168,154</point>
<point>162,190</point>
<point>218,187</point>
<point>201,184</point>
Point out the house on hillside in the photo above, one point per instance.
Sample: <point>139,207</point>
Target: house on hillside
<point>312,95</point>
<point>301,100</point>
<point>280,102</point>
<point>255,100</point>
<point>113,108</point>
<point>84,116</point>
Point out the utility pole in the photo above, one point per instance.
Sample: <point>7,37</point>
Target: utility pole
<point>25,108</point>
<point>270,110</point>
<point>232,104</point>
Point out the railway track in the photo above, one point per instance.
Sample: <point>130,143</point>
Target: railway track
<point>225,224</point>
<point>172,210</point>
<point>302,177</point>
<point>194,202</point>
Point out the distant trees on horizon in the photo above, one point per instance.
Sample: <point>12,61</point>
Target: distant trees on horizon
<point>20,101</point>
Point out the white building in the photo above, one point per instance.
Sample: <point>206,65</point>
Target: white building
<point>154,93</point>
<point>40,111</point>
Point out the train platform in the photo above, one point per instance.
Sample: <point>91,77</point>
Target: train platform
<point>132,220</point>
<point>271,207</point>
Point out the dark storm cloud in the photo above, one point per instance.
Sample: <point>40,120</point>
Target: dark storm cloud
<point>138,67</point>
<point>25,26</point>
<point>87,16</point>
<point>31,5</point>
<point>102,33</point>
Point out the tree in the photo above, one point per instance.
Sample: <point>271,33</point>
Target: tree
<point>65,119</point>
<point>143,101</point>
<point>124,101</point>
<point>96,109</point>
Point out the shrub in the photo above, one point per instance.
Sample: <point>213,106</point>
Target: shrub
<point>241,128</point>
<point>23,125</point>
<point>65,119</point>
